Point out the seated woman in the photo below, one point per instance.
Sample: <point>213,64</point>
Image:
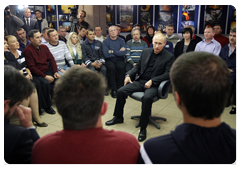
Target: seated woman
<point>13,58</point>
<point>75,49</point>
<point>186,44</point>
<point>149,35</point>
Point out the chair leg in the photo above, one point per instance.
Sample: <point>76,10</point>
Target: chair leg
<point>154,123</point>
<point>158,118</point>
<point>133,117</point>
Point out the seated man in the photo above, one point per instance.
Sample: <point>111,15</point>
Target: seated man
<point>119,28</point>
<point>218,35</point>
<point>200,85</point>
<point>18,140</point>
<point>153,68</point>
<point>82,34</point>
<point>59,51</point>
<point>98,34</point>
<point>45,39</point>
<point>170,36</point>
<point>79,97</point>
<point>92,54</point>
<point>62,31</point>
<point>129,36</point>
<point>114,51</point>
<point>39,59</point>
<point>134,49</point>
<point>22,39</point>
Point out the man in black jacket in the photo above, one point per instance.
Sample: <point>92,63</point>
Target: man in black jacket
<point>153,68</point>
<point>93,55</point>
<point>18,140</point>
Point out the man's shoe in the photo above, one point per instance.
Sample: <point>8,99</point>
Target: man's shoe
<point>50,110</point>
<point>114,93</point>
<point>106,93</point>
<point>114,121</point>
<point>142,135</point>
<point>233,111</point>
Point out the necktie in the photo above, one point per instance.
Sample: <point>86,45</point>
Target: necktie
<point>27,24</point>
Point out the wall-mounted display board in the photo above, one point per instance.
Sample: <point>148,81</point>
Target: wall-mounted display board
<point>145,16</point>
<point>231,18</point>
<point>126,17</point>
<point>52,17</point>
<point>64,15</point>
<point>110,15</point>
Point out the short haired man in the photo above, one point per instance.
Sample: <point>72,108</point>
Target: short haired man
<point>18,140</point>
<point>42,65</point>
<point>200,85</point>
<point>11,22</point>
<point>42,22</point>
<point>153,68</point>
<point>119,28</point>
<point>195,38</point>
<point>170,36</point>
<point>22,39</point>
<point>45,39</point>
<point>79,98</point>
<point>98,34</point>
<point>81,22</point>
<point>82,34</point>
<point>209,44</point>
<point>134,49</point>
<point>59,51</point>
<point>114,50</point>
<point>62,31</point>
<point>93,55</point>
<point>29,23</point>
<point>129,36</point>
<point>218,35</point>
<point>228,54</point>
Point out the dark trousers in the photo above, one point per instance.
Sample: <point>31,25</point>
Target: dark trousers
<point>102,70</point>
<point>147,100</point>
<point>116,73</point>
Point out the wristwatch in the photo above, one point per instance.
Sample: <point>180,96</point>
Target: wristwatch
<point>127,75</point>
<point>110,51</point>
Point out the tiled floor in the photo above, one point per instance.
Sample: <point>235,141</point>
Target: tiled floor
<point>164,108</point>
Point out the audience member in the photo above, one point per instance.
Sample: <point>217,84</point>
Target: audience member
<point>168,46</point>
<point>98,34</point>
<point>218,35</point>
<point>114,51</point>
<point>153,68</point>
<point>186,44</point>
<point>42,22</point>
<point>82,34</point>
<point>195,38</point>
<point>93,55</point>
<point>129,36</point>
<point>134,49</point>
<point>62,34</point>
<point>75,49</point>
<point>119,28</point>
<point>83,139</point>
<point>18,140</point>
<point>170,36</point>
<point>59,51</point>
<point>149,35</point>
<point>228,54</point>
<point>209,44</point>
<point>81,21</point>
<point>11,22</point>
<point>29,23</point>
<point>200,85</point>
<point>42,65</point>
<point>22,39</point>
<point>45,39</point>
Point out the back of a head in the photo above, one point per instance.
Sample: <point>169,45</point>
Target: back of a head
<point>202,81</point>
<point>79,95</point>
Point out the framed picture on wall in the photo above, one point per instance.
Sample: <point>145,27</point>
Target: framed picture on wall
<point>52,25</point>
<point>54,17</point>
<point>126,17</point>
<point>145,16</point>
<point>165,16</point>
<point>65,10</point>
<point>213,15</point>
<point>40,8</point>
<point>51,9</point>
<point>188,16</point>
<point>63,17</point>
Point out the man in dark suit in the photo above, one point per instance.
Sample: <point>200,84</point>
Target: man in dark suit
<point>29,24</point>
<point>18,141</point>
<point>153,68</point>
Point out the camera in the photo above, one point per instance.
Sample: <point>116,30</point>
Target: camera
<point>74,11</point>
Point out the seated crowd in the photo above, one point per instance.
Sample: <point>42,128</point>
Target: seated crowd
<point>79,68</point>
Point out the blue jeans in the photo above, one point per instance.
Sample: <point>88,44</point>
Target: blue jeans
<point>64,68</point>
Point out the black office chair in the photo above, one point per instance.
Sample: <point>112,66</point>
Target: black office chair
<point>162,94</point>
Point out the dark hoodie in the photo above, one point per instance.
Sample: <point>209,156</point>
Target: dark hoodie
<point>192,144</point>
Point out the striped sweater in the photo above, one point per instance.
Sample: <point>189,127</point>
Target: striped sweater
<point>134,50</point>
<point>60,53</point>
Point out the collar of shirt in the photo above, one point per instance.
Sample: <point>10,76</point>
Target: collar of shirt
<point>230,50</point>
<point>26,19</point>
<point>212,41</point>
<point>170,36</point>
<point>136,42</point>
<point>89,42</point>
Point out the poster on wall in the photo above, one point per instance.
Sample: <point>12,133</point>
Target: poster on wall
<point>63,17</point>
<point>40,8</point>
<point>126,17</point>
<point>213,15</point>
<point>51,8</point>
<point>52,25</point>
<point>233,19</point>
<point>109,15</point>
<point>145,16</point>
<point>165,16</point>
<point>65,10</point>
<point>188,14</point>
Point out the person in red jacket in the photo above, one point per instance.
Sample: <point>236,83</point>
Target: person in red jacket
<point>218,35</point>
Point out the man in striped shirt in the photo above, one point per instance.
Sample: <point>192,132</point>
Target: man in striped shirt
<point>59,51</point>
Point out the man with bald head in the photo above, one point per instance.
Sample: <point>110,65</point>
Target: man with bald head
<point>153,68</point>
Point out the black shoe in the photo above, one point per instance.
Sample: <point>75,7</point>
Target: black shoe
<point>106,93</point>
<point>50,110</point>
<point>142,135</point>
<point>233,111</point>
<point>114,93</point>
<point>43,124</point>
<point>114,121</point>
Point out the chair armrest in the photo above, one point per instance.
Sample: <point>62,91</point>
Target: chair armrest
<point>163,89</point>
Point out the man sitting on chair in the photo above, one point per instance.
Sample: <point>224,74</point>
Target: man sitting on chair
<point>153,68</point>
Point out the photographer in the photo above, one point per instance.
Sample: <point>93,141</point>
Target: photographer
<point>11,22</point>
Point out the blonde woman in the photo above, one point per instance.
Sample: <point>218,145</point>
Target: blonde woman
<point>75,49</point>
